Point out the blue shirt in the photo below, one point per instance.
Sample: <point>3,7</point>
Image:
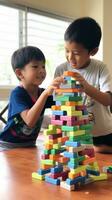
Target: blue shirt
<point>16,131</point>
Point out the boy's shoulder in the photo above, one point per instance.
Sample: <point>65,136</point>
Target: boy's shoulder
<point>18,90</point>
<point>97,63</point>
<point>61,68</point>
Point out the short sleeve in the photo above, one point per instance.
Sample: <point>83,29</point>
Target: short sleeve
<point>105,80</point>
<point>19,101</point>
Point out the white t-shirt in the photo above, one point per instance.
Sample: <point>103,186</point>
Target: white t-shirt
<point>96,74</point>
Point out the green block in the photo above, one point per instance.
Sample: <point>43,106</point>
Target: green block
<point>67,98</point>
<point>54,151</point>
<point>47,152</point>
<point>48,162</point>
<point>86,127</point>
<point>69,128</point>
<point>75,138</point>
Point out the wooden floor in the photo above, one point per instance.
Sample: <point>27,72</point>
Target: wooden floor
<point>16,167</point>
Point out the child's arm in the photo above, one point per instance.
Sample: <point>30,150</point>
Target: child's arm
<point>31,116</point>
<point>102,97</point>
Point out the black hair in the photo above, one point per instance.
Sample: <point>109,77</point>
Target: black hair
<point>24,55</point>
<point>85,31</point>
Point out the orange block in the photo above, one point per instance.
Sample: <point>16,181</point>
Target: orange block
<point>71,103</point>
<point>54,157</point>
<point>58,131</point>
<point>55,107</point>
<point>43,166</point>
<point>72,176</point>
<point>48,146</point>
<point>63,160</point>
<point>67,90</point>
<point>89,160</point>
<point>83,173</point>
<point>55,141</point>
<point>63,139</point>
<point>69,73</point>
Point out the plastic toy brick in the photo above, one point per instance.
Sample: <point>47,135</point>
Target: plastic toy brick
<point>77,132</point>
<point>88,161</point>
<point>57,169</point>
<point>80,179</point>
<point>57,122</point>
<point>43,171</point>
<point>101,177</point>
<point>70,155</point>
<point>67,98</point>
<point>70,73</point>
<point>48,146</point>
<point>70,128</point>
<point>78,170</point>
<point>55,107</point>
<point>75,90</point>
<point>38,176</point>
<point>55,136</point>
<point>63,139</point>
<point>51,180</point>
<point>72,144</point>
<point>64,185</point>
<point>48,162</point>
<point>58,112</point>
<point>44,156</point>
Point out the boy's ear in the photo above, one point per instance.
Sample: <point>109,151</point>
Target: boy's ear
<point>94,51</point>
<point>19,74</point>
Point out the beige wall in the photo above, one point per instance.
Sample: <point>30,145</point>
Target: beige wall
<point>68,8</point>
<point>101,10</point>
<point>107,33</point>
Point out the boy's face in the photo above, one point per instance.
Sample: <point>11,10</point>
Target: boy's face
<point>76,54</point>
<point>34,73</point>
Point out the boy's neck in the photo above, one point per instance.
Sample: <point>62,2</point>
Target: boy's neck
<point>32,90</point>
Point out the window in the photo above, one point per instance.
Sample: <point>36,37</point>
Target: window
<point>21,27</point>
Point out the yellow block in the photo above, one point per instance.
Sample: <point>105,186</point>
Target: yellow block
<point>76,133</point>
<point>38,176</point>
<point>68,108</point>
<point>77,170</point>
<point>101,177</point>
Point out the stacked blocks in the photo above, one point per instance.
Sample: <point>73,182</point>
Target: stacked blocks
<point>107,169</point>
<point>69,159</point>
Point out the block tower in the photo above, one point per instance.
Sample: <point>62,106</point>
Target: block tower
<point>69,159</point>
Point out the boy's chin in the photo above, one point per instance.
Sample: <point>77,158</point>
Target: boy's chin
<point>76,67</point>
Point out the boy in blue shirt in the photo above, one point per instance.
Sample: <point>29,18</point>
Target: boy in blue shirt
<point>27,101</point>
<point>82,39</point>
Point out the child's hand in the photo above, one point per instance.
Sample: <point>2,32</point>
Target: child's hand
<point>55,84</point>
<point>82,81</point>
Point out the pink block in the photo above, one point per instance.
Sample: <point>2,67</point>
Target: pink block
<point>56,122</point>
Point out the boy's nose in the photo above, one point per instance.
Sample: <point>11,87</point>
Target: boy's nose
<point>71,56</point>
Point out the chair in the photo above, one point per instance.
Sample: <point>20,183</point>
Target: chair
<point>2,112</point>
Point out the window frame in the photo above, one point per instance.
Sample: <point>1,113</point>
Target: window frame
<point>6,89</point>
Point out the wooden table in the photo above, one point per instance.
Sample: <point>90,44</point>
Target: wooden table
<point>16,167</point>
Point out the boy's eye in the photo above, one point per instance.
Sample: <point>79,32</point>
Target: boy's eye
<point>76,53</point>
<point>35,66</point>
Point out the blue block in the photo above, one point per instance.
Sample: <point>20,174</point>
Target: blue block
<point>67,78</point>
<point>72,165</point>
<point>93,172</point>
<point>57,169</point>
<point>52,181</point>
<point>72,144</point>
<point>70,155</point>
<point>58,103</point>
<point>70,94</point>
<point>59,112</point>
<point>43,171</point>
<point>80,179</point>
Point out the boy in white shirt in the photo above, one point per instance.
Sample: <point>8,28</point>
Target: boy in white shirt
<point>82,39</point>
